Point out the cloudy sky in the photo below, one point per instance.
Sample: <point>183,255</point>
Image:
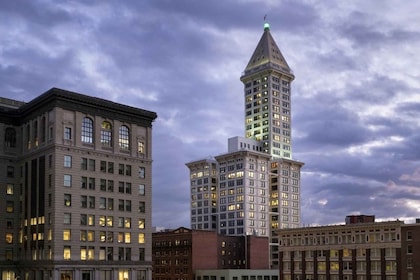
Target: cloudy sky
<point>355,99</point>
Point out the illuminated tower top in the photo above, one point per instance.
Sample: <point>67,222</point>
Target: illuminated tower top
<point>267,79</point>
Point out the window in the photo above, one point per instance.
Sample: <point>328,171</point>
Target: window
<point>10,137</point>
<point>10,172</point>
<point>103,166</point>
<point>142,207</point>
<point>128,205</point>
<point>67,253</point>
<point>67,200</point>
<point>140,147</point>
<point>67,161</point>
<point>106,134</point>
<point>9,189</point>
<point>141,223</point>
<point>91,202</point>
<point>9,238</point>
<point>83,201</point>
<point>66,234</point>
<point>91,183</point>
<point>83,182</point>
<point>142,172</point>
<point>67,218</point>
<point>102,203</point>
<point>84,163</point>
<point>91,165</point>
<point>110,204</point>
<point>124,138</point>
<point>67,133</point>
<point>87,130</point>
<point>67,180</point>
<point>141,238</point>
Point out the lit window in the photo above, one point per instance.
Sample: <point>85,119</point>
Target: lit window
<point>124,138</point>
<point>66,235</point>
<point>106,134</point>
<point>141,238</point>
<point>9,189</point>
<point>87,130</point>
<point>127,222</point>
<point>141,224</point>
<point>140,147</point>
<point>67,199</point>
<point>9,238</point>
<point>67,253</point>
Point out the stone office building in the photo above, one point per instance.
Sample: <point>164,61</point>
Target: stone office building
<point>358,250</point>
<point>75,188</point>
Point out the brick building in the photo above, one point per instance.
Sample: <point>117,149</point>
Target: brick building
<point>178,253</point>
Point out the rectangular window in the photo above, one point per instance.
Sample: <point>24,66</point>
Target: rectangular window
<point>102,203</point>
<point>128,205</point>
<point>84,164</point>
<point>103,166</point>
<point>102,185</point>
<point>110,185</point>
<point>142,189</point>
<point>121,169</point>
<point>83,182</point>
<point>121,187</point>
<point>128,170</point>
<point>91,183</point>
<point>141,238</point>
<point>67,199</point>
<point>110,204</point>
<point>91,202</point>
<point>67,218</point>
<point>91,165</point>
<point>142,207</point>
<point>83,201</point>
<point>66,234</point>
<point>111,167</point>
<point>141,223</point>
<point>67,133</point>
<point>67,180</point>
<point>142,172</point>
<point>67,161</point>
<point>128,188</point>
<point>67,253</point>
<point>9,189</point>
<point>10,172</point>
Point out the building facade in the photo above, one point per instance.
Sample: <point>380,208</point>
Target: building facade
<point>180,253</point>
<point>256,184</point>
<point>76,188</point>
<point>353,251</point>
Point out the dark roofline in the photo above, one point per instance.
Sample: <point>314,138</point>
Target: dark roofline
<point>56,97</point>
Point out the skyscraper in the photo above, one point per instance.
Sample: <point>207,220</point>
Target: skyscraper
<point>257,188</point>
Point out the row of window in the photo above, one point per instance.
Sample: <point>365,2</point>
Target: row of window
<point>104,253</point>
<point>106,167</point>
<point>104,203</point>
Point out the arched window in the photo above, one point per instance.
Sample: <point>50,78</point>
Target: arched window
<point>124,138</point>
<point>87,130</point>
<point>106,134</point>
<point>10,137</point>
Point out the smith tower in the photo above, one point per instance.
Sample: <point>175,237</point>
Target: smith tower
<point>267,79</point>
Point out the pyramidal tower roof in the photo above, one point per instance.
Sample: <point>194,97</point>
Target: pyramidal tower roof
<point>267,51</point>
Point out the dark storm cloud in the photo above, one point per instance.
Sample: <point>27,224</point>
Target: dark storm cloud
<point>355,96</point>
